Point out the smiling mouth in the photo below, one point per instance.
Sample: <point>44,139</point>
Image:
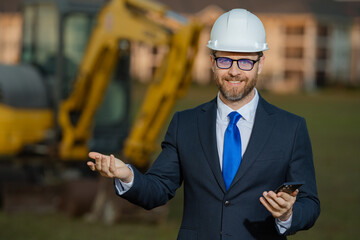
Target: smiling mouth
<point>235,81</point>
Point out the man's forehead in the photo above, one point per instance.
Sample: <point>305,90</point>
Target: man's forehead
<point>235,54</point>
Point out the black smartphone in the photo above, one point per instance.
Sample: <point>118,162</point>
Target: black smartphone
<point>289,187</point>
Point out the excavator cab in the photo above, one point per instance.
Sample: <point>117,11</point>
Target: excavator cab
<point>54,39</point>
<point>55,36</point>
<point>56,33</point>
<point>72,88</point>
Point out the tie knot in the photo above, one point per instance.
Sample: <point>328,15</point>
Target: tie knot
<point>234,117</point>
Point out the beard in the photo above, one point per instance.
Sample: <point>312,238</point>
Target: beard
<point>233,94</point>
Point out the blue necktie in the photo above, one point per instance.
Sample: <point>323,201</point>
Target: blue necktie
<point>232,149</point>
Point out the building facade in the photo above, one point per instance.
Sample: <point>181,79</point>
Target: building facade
<point>10,37</point>
<point>310,45</point>
<point>313,43</point>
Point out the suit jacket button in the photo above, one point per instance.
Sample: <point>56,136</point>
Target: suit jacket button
<point>227,203</point>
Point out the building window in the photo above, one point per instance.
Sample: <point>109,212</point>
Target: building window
<point>320,78</point>
<point>322,53</point>
<point>294,52</point>
<point>295,30</point>
<point>294,76</point>
<point>323,31</point>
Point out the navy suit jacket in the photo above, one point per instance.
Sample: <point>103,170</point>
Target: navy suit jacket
<point>279,150</point>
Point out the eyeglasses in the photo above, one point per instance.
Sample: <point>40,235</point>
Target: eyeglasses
<point>243,64</point>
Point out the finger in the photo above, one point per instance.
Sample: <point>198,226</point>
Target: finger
<point>281,202</point>
<point>104,164</point>
<point>91,165</point>
<point>284,200</point>
<point>93,155</point>
<point>98,162</point>
<point>267,206</point>
<point>295,193</point>
<point>269,198</point>
<point>287,197</point>
<point>112,164</point>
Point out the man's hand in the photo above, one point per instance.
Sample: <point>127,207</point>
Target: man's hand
<point>109,166</point>
<point>279,205</point>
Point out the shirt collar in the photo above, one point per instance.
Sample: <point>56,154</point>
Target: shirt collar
<point>247,111</point>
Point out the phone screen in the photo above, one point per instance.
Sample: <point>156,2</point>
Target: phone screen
<point>289,187</point>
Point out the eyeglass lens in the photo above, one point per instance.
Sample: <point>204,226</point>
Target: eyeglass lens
<point>244,64</point>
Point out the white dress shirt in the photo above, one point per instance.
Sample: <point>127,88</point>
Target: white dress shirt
<point>245,125</point>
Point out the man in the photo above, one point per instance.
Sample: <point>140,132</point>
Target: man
<point>230,153</point>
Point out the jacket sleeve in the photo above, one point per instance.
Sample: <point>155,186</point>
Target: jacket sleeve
<point>307,206</point>
<point>158,185</point>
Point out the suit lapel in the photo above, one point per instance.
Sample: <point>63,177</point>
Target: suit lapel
<point>261,131</point>
<point>207,134</point>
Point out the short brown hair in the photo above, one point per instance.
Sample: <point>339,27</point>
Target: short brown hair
<point>213,52</point>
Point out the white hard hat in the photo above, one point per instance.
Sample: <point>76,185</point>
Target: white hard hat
<point>238,31</point>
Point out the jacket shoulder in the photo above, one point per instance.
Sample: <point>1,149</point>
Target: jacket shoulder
<point>208,106</point>
<point>272,109</point>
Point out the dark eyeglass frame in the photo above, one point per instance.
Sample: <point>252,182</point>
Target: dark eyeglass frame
<point>237,61</point>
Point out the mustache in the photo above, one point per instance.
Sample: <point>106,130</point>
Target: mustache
<point>235,78</point>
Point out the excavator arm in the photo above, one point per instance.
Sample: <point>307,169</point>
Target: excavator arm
<point>171,82</point>
<point>139,21</point>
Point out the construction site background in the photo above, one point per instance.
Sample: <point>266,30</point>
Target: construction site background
<point>311,46</point>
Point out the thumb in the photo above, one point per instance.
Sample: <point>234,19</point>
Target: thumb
<point>295,193</point>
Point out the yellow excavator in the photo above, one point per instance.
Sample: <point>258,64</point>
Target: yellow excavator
<point>65,99</point>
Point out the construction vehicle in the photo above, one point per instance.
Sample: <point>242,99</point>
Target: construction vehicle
<point>65,100</point>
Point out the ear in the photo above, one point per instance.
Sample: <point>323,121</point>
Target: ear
<point>261,64</point>
<point>212,59</point>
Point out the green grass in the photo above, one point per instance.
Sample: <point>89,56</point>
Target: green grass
<point>333,118</point>
<point>60,227</point>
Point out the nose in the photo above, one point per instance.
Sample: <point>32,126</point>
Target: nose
<point>235,70</point>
